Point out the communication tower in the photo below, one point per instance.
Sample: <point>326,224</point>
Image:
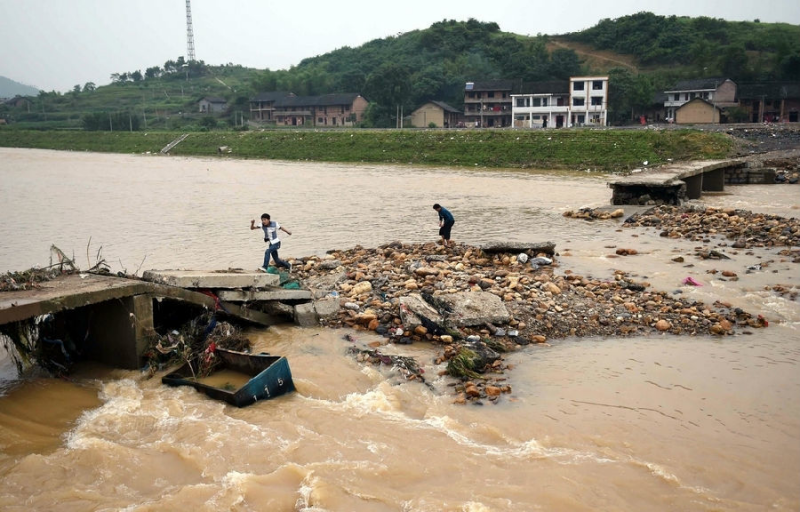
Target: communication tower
<point>189,33</point>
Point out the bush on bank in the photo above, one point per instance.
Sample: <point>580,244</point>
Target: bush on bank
<point>606,150</point>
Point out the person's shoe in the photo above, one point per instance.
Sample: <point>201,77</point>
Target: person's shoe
<point>263,269</point>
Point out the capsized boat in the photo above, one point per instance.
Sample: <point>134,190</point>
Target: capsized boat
<point>260,377</point>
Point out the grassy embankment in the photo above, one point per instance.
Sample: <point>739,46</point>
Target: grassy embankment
<point>605,150</point>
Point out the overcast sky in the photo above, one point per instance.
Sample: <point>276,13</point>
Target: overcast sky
<point>55,44</point>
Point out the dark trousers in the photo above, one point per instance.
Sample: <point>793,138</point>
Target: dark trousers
<point>272,252</point>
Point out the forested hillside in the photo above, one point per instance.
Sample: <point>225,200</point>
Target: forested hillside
<point>643,53</point>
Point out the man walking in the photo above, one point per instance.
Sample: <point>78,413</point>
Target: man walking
<point>271,229</point>
<point>446,222</point>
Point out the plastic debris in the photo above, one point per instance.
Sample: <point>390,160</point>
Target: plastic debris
<point>690,280</point>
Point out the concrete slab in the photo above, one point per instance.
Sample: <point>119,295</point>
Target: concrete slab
<point>212,278</point>
<point>665,174</point>
<point>67,292</point>
<point>516,247</point>
<point>252,295</point>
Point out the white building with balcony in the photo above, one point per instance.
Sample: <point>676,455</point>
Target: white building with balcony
<point>581,101</point>
<point>720,92</point>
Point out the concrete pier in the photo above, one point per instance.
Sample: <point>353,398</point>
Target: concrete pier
<point>120,314</point>
<point>673,183</point>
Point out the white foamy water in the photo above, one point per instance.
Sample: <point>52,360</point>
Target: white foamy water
<point>646,423</point>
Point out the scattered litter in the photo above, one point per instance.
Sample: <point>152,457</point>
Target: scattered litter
<point>690,280</point>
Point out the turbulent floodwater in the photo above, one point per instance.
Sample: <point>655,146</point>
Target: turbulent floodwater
<point>645,423</point>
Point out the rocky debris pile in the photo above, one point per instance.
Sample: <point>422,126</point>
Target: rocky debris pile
<point>745,228</point>
<point>594,214</point>
<point>466,301</point>
<point>766,138</point>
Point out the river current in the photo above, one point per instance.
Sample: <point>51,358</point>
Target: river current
<point>643,423</point>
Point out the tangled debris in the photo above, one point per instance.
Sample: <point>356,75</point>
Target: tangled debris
<point>194,343</point>
<point>60,264</point>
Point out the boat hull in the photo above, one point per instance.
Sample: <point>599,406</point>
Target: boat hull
<point>270,376</point>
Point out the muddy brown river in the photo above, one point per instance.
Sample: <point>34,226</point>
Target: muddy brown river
<point>657,423</point>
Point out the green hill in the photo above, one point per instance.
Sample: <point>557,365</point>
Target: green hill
<point>642,53</point>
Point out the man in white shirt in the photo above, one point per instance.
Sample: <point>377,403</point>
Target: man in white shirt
<point>271,229</point>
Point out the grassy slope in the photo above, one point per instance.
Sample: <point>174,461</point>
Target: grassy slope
<point>607,150</point>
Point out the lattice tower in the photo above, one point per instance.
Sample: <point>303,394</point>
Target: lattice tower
<point>189,33</point>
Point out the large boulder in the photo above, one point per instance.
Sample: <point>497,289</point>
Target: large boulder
<point>473,308</point>
<point>415,312</point>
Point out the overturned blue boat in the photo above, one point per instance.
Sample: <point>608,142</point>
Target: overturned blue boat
<point>239,378</point>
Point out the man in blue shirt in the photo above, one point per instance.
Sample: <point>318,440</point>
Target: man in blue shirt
<point>271,229</point>
<point>446,222</point>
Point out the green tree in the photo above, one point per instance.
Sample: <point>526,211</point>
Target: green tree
<point>790,67</point>
<point>152,72</point>
<point>733,62</point>
<point>564,63</point>
<point>89,87</point>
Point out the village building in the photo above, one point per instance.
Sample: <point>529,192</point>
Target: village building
<point>262,105</point>
<point>699,111</point>
<point>720,92</point>
<point>437,114</point>
<point>212,105</point>
<point>579,101</point>
<point>329,110</point>
<point>488,104</point>
<point>771,101</point>
<point>17,102</point>
<point>542,105</point>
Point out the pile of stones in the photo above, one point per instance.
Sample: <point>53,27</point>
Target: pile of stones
<point>746,229</point>
<point>472,305</point>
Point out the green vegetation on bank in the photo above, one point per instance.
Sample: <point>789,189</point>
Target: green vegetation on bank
<point>605,150</point>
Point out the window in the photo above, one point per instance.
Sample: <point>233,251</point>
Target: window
<point>544,102</point>
<point>577,86</point>
<point>537,102</point>
<point>581,119</point>
<point>705,95</point>
<point>520,102</point>
<point>597,101</point>
<point>490,94</point>
<point>319,120</point>
<point>471,95</point>
<point>578,102</point>
<point>597,85</point>
<point>677,97</point>
<point>686,96</point>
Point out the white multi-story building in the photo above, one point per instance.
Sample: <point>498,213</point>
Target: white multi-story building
<point>581,101</point>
